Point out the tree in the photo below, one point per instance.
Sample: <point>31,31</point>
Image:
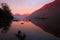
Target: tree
<point>5,12</point>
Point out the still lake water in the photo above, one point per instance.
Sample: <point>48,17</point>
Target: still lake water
<point>31,31</point>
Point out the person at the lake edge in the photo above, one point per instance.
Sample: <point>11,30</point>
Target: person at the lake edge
<point>20,35</point>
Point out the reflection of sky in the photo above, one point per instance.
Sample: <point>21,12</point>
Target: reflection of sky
<point>25,6</point>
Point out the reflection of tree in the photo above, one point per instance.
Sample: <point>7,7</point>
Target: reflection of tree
<point>5,26</point>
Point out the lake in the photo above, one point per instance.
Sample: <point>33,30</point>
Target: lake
<point>30,30</point>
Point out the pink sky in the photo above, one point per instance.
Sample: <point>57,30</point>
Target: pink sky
<point>25,6</point>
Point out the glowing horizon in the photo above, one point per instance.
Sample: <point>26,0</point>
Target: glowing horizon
<point>25,6</point>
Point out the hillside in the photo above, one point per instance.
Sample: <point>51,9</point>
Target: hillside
<point>52,12</point>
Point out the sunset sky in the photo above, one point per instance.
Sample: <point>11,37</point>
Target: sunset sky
<point>25,6</point>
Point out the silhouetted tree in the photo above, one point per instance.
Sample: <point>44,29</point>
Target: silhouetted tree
<point>5,13</point>
<point>5,17</point>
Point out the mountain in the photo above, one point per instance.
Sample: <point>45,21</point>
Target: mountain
<point>51,11</point>
<point>48,10</point>
<point>19,17</point>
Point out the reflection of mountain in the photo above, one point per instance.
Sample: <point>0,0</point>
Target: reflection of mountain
<point>52,12</point>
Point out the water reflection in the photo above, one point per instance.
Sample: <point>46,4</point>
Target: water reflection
<point>5,25</point>
<point>27,31</point>
<point>32,31</point>
<point>47,25</point>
